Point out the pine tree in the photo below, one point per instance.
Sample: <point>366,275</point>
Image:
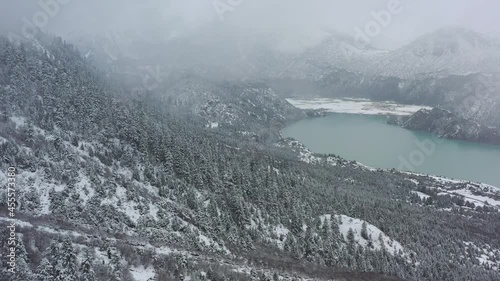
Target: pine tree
<point>351,242</point>
<point>330,242</point>
<point>364,232</point>
<point>45,271</point>
<point>310,246</point>
<point>297,222</point>
<point>23,272</point>
<point>115,264</point>
<point>361,259</point>
<point>86,268</point>
<point>370,242</point>
<point>192,199</point>
<point>66,267</point>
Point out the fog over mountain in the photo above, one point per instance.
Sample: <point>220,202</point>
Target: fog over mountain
<point>216,140</point>
<point>300,22</point>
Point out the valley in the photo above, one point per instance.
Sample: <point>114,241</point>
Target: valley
<point>160,192</point>
<point>167,144</point>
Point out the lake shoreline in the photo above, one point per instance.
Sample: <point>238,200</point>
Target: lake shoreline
<point>350,131</point>
<point>355,106</point>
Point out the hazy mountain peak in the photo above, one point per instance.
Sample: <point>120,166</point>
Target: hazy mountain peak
<point>452,40</point>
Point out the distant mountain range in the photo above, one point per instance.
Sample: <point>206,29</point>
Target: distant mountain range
<point>452,68</point>
<point>182,179</point>
<point>447,51</point>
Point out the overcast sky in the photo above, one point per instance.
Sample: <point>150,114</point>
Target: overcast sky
<point>299,20</point>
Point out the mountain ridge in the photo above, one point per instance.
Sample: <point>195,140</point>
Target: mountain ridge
<point>90,155</point>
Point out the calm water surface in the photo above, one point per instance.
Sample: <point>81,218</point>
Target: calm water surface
<point>369,140</point>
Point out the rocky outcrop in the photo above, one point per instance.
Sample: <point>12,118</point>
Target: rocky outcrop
<point>448,125</point>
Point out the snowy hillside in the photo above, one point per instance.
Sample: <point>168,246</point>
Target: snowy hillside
<point>448,51</point>
<point>366,236</point>
<point>449,193</point>
<point>115,183</point>
<point>338,51</point>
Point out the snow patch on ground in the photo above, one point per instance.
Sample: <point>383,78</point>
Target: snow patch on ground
<point>476,199</point>
<point>153,211</point>
<point>127,207</point>
<point>142,274</point>
<point>58,232</point>
<point>416,182</point>
<point>28,180</point>
<point>82,185</point>
<point>445,180</point>
<point>479,194</point>
<point>485,254</point>
<point>213,125</point>
<point>45,229</point>
<point>205,240</point>
<point>19,121</point>
<point>422,196</point>
<point>16,222</point>
<point>345,223</point>
<point>356,106</point>
<point>448,181</point>
<point>101,255</point>
<point>281,230</point>
<point>306,155</point>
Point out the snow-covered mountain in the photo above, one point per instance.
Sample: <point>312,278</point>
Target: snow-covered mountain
<point>240,54</point>
<point>232,106</point>
<point>121,184</point>
<point>336,51</point>
<point>447,51</point>
<point>451,67</point>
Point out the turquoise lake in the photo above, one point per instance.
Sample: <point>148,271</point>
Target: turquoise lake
<point>369,140</point>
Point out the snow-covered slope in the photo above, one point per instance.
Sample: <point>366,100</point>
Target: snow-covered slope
<point>233,105</point>
<point>338,51</point>
<point>446,51</point>
<point>447,193</point>
<point>377,239</point>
